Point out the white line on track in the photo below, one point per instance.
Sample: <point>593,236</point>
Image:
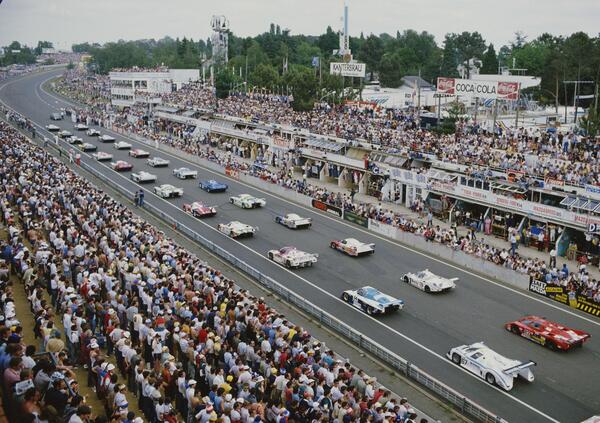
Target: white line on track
<point>313,285</point>
<point>324,215</point>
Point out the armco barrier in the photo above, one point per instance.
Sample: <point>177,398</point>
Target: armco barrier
<point>392,359</point>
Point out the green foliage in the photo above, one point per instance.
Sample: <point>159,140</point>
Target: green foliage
<point>591,123</point>
<point>70,65</point>
<point>41,45</point>
<point>490,61</point>
<point>225,81</point>
<point>304,84</point>
<point>265,76</point>
<point>458,48</point>
<point>25,55</point>
<point>371,52</point>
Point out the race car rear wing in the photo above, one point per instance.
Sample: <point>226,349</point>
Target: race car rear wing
<point>520,367</point>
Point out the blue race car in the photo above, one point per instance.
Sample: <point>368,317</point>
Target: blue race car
<point>372,301</point>
<point>213,186</point>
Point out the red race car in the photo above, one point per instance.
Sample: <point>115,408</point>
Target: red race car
<point>544,332</point>
<point>121,165</point>
<point>199,210</point>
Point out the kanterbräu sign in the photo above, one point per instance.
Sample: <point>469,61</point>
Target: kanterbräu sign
<point>483,89</point>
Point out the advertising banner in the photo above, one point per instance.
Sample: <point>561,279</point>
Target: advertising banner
<point>356,218</point>
<point>283,143</point>
<point>565,296</point>
<point>348,69</point>
<point>482,89</point>
<point>329,208</point>
<point>382,228</point>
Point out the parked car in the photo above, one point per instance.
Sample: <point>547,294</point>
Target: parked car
<point>139,153</point>
<point>92,132</point>
<point>64,134</point>
<point>52,128</point>
<point>81,127</point>
<point>122,145</point>
<point>101,156</point>
<point>73,140</point>
<point>56,116</point>
<point>353,247</point>
<point>106,138</point>
<point>88,147</point>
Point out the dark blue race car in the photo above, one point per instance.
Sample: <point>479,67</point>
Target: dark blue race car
<point>213,186</point>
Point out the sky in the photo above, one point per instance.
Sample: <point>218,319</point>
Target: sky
<point>65,22</point>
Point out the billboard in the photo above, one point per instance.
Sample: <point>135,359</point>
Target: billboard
<point>499,90</point>
<point>348,69</point>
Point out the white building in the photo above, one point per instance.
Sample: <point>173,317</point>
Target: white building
<point>124,86</point>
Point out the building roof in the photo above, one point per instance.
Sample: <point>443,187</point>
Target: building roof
<point>412,81</point>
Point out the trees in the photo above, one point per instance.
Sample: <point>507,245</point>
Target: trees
<point>490,61</point>
<point>15,53</point>
<point>458,48</point>
<point>370,53</point>
<point>303,83</point>
<point>264,76</point>
<point>42,45</point>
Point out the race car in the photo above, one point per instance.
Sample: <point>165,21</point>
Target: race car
<point>199,210</point>
<point>168,191</point>
<point>157,162</point>
<point>237,229</point>
<point>372,301</point>
<point>56,116</point>
<point>138,153</point>
<point>74,140</point>
<point>293,221</point>
<point>185,173</point>
<point>101,156</point>
<point>246,201</point>
<point>106,138</point>
<point>292,258</point>
<point>428,281</point>
<point>353,247</point>
<point>64,134</point>
<point>81,127</point>
<point>143,177</point>
<point>88,147</point>
<point>52,128</point>
<point>212,186</point>
<point>121,165</point>
<point>550,334</point>
<point>92,132</point>
<point>122,145</point>
<point>494,368</point>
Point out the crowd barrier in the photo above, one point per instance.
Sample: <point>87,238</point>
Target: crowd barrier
<point>563,295</point>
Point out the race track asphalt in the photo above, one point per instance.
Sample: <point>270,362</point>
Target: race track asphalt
<point>567,385</point>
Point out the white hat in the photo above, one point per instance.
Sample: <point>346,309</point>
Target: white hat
<point>192,382</point>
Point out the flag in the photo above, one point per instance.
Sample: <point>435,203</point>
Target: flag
<point>315,61</point>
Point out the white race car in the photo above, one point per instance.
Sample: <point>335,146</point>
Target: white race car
<point>74,140</point>
<point>139,153</point>
<point>247,201</point>
<point>428,281</point>
<point>494,368</point>
<point>352,247</point>
<point>52,128</point>
<point>237,229</point>
<point>185,173</point>
<point>81,127</point>
<point>293,221</point>
<point>142,177</point>
<point>292,258</point>
<point>92,132</point>
<point>168,191</point>
<point>106,138</point>
<point>157,162</point>
<point>122,145</point>
<point>101,156</point>
<point>88,147</point>
<point>64,134</point>
<point>372,301</point>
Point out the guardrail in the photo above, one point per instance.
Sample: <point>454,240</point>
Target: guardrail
<point>464,404</point>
